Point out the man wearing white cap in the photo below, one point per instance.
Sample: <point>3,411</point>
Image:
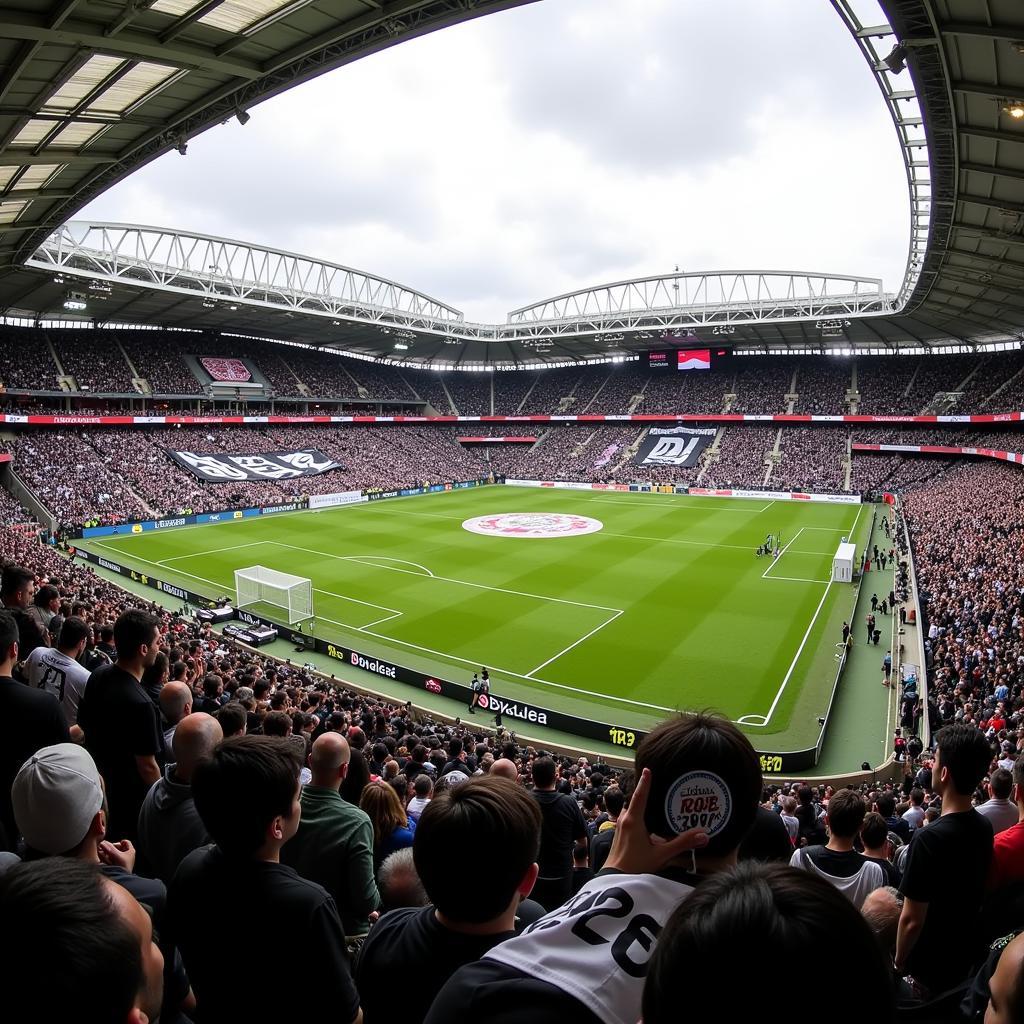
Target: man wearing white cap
<point>60,811</point>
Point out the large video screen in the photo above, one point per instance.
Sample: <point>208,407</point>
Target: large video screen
<point>686,358</point>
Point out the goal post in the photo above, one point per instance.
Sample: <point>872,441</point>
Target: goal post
<point>260,585</point>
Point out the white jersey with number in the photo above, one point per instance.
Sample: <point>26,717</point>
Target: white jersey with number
<point>597,946</point>
<point>60,675</point>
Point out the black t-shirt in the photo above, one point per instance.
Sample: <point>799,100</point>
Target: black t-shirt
<point>562,824</point>
<point>424,952</point>
<point>947,865</point>
<point>218,904</point>
<point>29,719</point>
<point>120,724</point>
<point>499,994</point>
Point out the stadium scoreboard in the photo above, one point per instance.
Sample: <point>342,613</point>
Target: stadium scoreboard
<point>686,359</point>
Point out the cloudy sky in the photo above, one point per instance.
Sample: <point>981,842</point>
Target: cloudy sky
<point>560,145</point>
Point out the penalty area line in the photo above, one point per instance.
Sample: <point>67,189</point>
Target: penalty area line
<point>576,643</point>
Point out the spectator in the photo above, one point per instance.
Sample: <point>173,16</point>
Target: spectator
<point>1000,811</point>
<point>423,789</point>
<point>399,883</point>
<point>837,862</point>
<point>29,719</point>
<point>886,806</point>
<point>874,835</point>
<point>247,796</point>
<point>464,921</point>
<point>788,817</point>
<point>563,827</point>
<point>937,938</point>
<point>392,828</point>
<point>233,719</point>
<point>17,589</point>
<point>334,843</point>
<point>768,838</point>
<point>60,810</point>
<point>154,677</point>
<point>110,967</point>
<point>582,873</point>
<point>601,844</point>
<point>175,704</point>
<point>1008,847</point>
<point>1006,986</point>
<point>120,723</point>
<point>881,910</point>
<point>914,815</point>
<point>704,783</point>
<point>213,687</point>
<point>169,825</point>
<point>57,670</point>
<point>716,940</point>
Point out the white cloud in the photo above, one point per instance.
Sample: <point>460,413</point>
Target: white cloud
<point>562,145</point>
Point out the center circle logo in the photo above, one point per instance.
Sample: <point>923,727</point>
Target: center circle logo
<point>532,525</point>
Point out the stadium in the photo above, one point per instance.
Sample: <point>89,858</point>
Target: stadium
<point>791,500</point>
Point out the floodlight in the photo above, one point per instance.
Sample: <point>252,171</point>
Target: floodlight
<point>401,345</point>
<point>243,116</point>
<point>897,59</point>
<point>1015,108</point>
<point>181,146</point>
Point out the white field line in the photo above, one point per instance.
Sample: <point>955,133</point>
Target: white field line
<point>576,643</point>
<point>795,579</point>
<point>372,560</point>
<point>444,655</point>
<point>448,579</point>
<point>212,551</point>
<point>803,643</point>
<point>393,612</point>
<point>782,552</point>
<point>646,500</point>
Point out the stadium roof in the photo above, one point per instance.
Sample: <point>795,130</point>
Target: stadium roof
<point>92,90</point>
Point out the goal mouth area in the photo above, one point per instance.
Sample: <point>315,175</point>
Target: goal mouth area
<point>258,585</point>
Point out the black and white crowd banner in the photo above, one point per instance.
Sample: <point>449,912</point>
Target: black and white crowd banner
<point>676,446</point>
<point>224,467</point>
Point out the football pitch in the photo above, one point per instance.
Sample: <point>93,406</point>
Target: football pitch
<point>664,606</point>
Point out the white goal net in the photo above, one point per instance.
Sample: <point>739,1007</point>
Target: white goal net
<point>260,585</point>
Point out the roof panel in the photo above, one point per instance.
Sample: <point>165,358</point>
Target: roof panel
<point>10,211</point>
<point>95,70</point>
<point>35,176</point>
<point>76,133</point>
<point>132,87</point>
<point>238,15</point>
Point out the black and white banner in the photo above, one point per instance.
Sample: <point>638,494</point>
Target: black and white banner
<point>224,467</point>
<point>675,446</point>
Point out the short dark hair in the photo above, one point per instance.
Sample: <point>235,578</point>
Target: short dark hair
<point>249,781</point>
<point>543,771</point>
<point>45,594</point>
<point>63,906</point>
<point>886,804</point>
<point>232,718</point>
<point>1001,783</point>
<point>72,632</point>
<point>1018,771</point>
<point>614,800</point>
<point>694,745</point>
<point>277,723</point>
<point>875,829</point>
<point>8,632</point>
<point>14,578</point>
<point>917,796</point>
<point>734,916</point>
<point>492,814</point>
<point>964,752</point>
<point>846,812</point>
<point>133,629</point>
<point>423,785</point>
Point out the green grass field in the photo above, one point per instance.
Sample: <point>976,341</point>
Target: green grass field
<point>665,607</point>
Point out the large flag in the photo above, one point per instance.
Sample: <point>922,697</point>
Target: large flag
<point>223,467</point>
<point>674,446</point>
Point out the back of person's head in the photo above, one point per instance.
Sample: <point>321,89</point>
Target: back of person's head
<point>704,774</point>
<point>454,747</point>
<point>422,786</point>
<point>232,717</point>
<point>614,801</point>
<point>715,943</point>
<point>917,796</point>
<point>846,812</point>
<point>543,772</point>
<point>73,631</point>
<point>212,684</point>
<point>175,699</point>
<point>67,952</point>
<point>239,791</point>
<point>379,751</point>
<point>384,809</point>
<point>964,754</point>
<point>886,804</point>
<point>874,831</point>
<point>277,723</point>
<point>1001,784</point>
<point>398,882</point>
<point>8,634</point>
<point>133,629</point>
<point>195,740</point>
<point>494,815</point>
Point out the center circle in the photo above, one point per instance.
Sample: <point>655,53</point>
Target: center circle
<point>533,525</point>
